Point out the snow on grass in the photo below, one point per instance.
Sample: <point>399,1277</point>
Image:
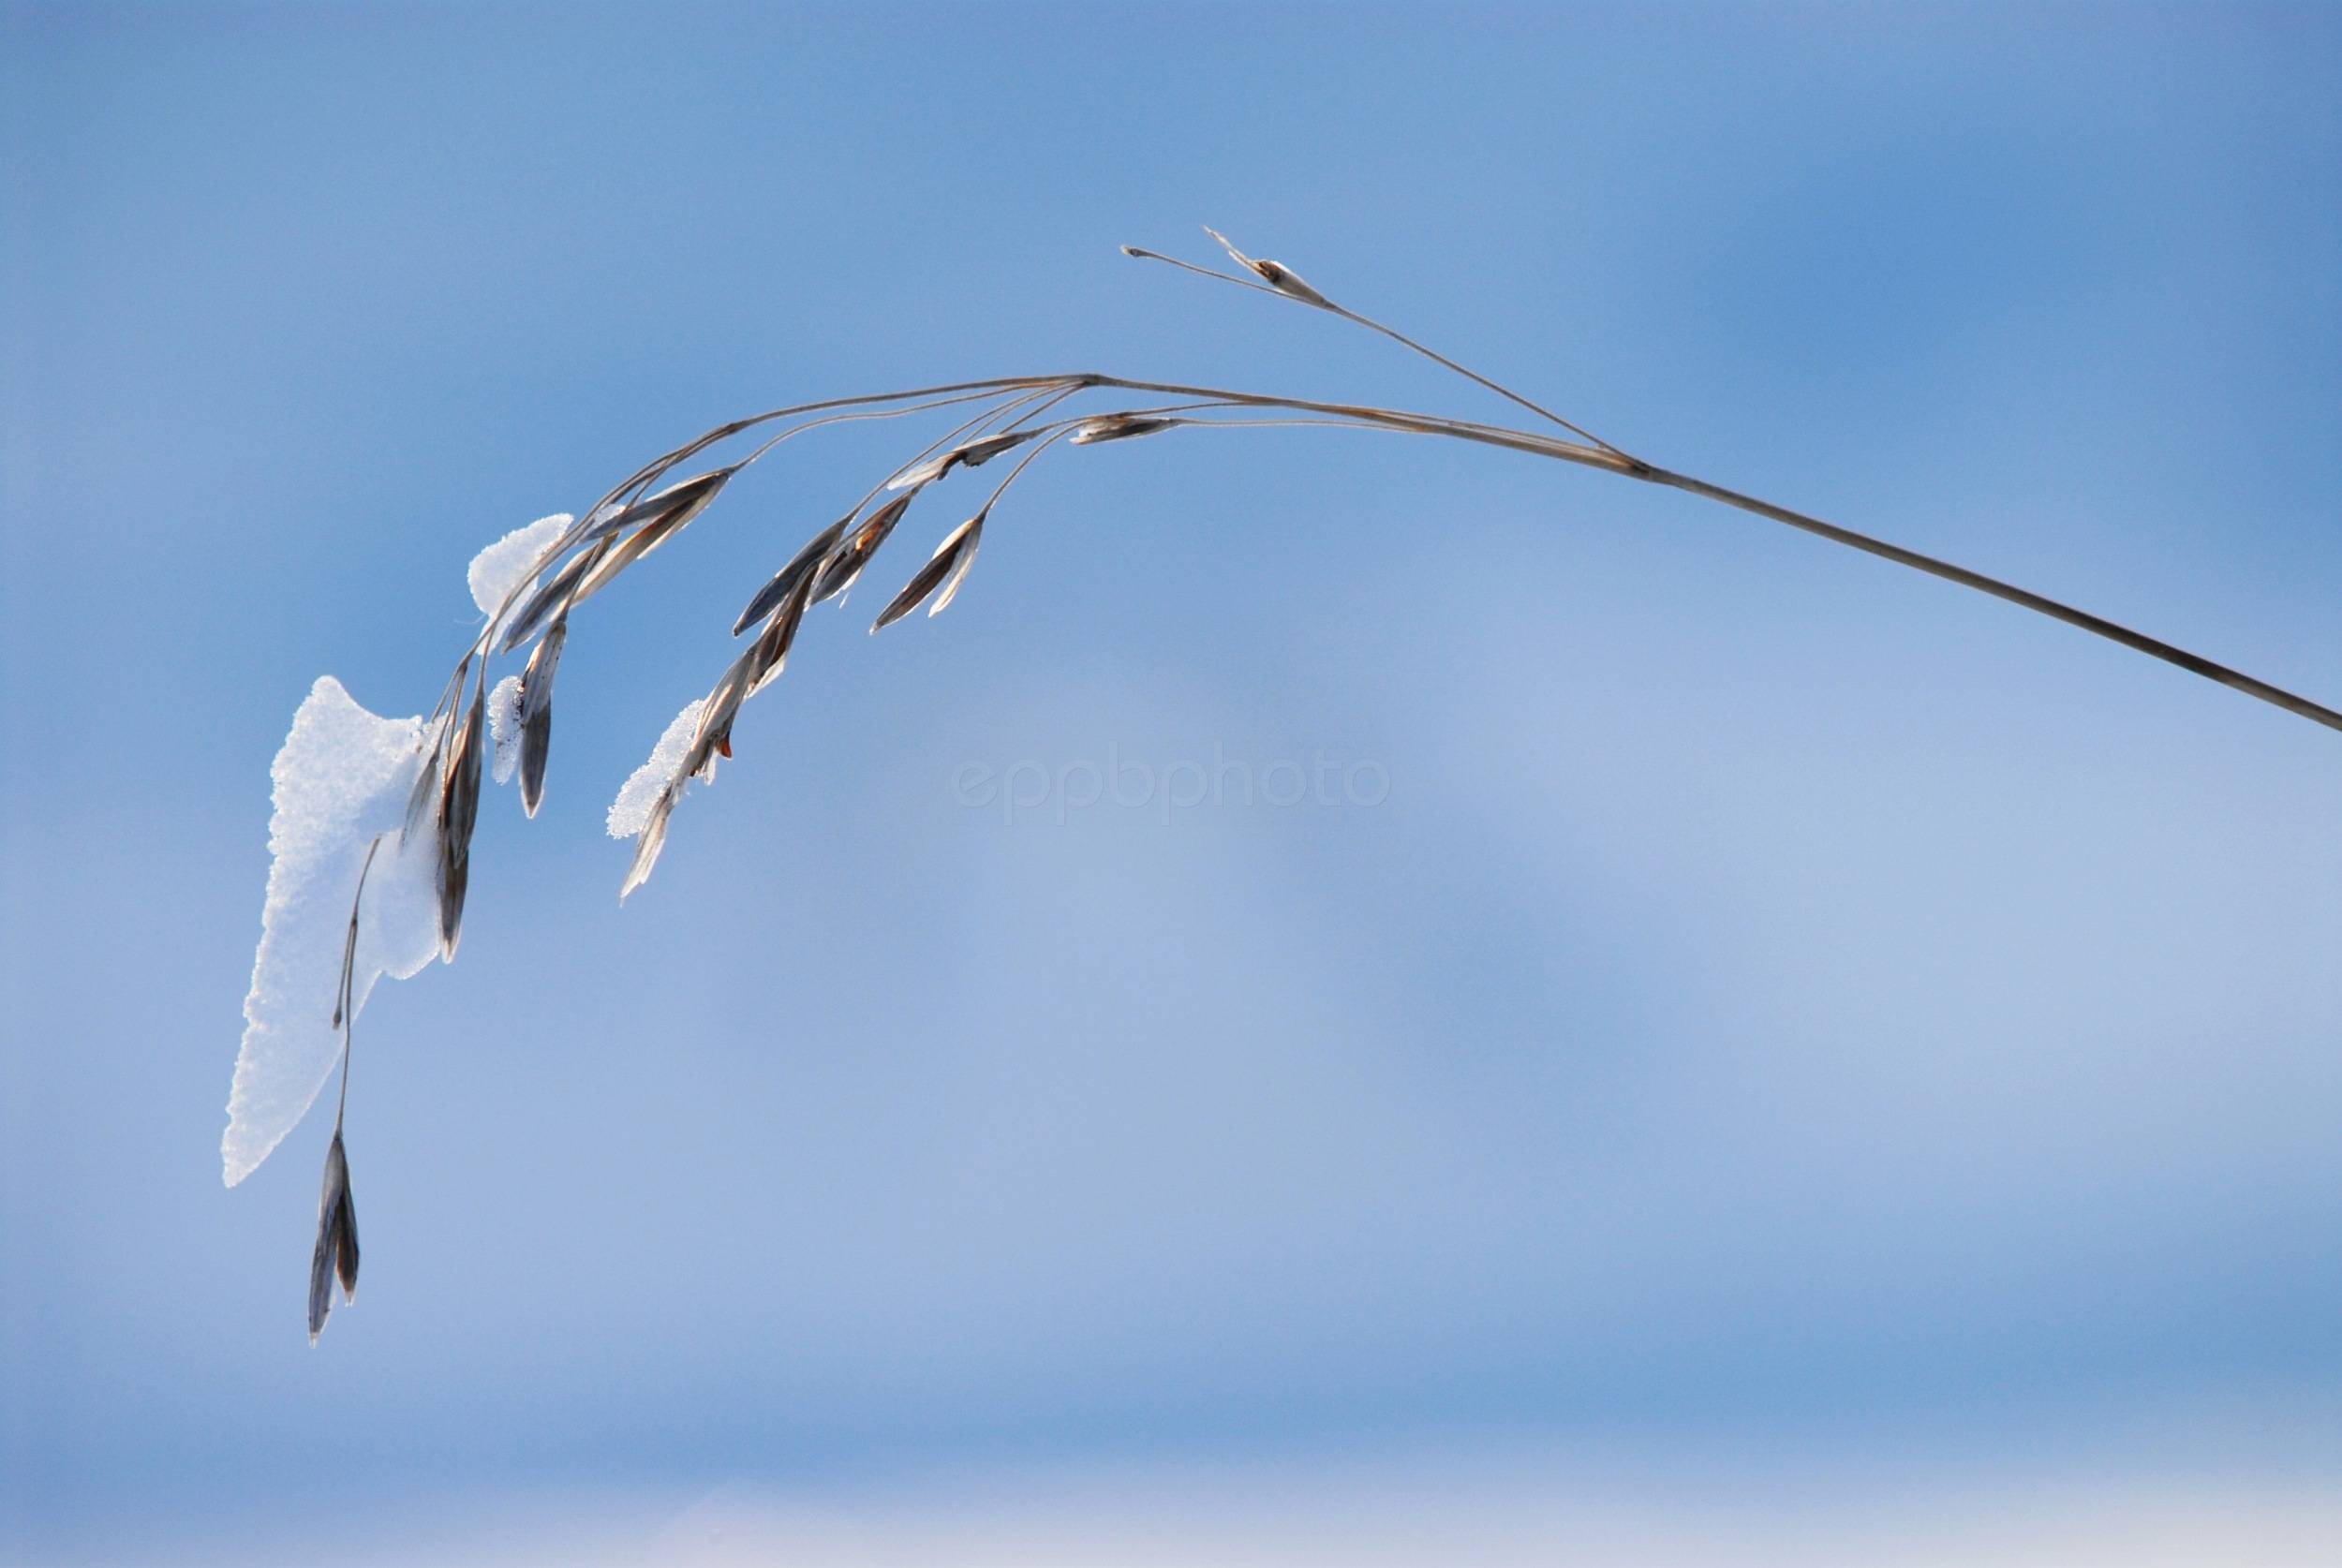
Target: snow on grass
<point>504,727</point>
<point>342,777</point>
<point>502,566</point>
<point>631,812</point>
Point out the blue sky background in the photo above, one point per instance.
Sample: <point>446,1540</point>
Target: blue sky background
<point>1789,1018</point>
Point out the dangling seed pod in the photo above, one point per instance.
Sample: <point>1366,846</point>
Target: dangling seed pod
<point>847,559</point>
<point>654,838</point>
<point>772,654</point>
<point>631,549</point>
<point>336,1254</point>
<point>971,454</point>
<point>711,736</point>
<point>1119,427</point>
<point>537,712</point>
<point>801,566</point>
<point>550,596</point>
<point>1275,273</point>
<point>952,559</point>
<point>684,499</point>
<point>459,809</point>
<point>975,455</point>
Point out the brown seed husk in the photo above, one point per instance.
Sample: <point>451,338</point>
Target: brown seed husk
<point>802,565</point>
<point>537,712</point>
<point>335,1257</point>
<point>952,558</point>
<point>459,810</point>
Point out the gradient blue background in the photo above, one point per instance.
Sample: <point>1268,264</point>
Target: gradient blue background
<point>1787,1010</point>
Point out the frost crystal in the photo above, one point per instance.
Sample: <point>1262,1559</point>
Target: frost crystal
<point>631,812</point>
<point>342,777</point>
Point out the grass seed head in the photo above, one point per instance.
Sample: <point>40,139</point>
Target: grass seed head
<point>336,1258</point>
<point>1283,279</point>
<point>848,558</point>
<point>687,497</point>
<point>1119,427</point>
<point>459,810</point>
<point>952,559</point>
<point>537,712</point>
<point>800,568</point>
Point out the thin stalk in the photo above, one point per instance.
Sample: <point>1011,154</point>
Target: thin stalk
<point>1600,456</point>
<point>1609,460</point>
<point>865,414</point>
<point>1022,464</point>
<point>1316,301</point>
<point>1501,391</point>
<point>1044,397</point>
<point>1934,566</point>
<point>346,1005</point>
<point>2040,603</point>
<point>1041,408</point>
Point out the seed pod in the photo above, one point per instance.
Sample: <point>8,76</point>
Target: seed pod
<point>537,712</point>
<point>336,1254</point>
<point>459,809</point>
<point>924,473</point>
<point>975,455</point>
<point>654,838</point>
<point>1275,273</point>
<point>848,558</point>
<point>427,787</point>
<point>970,454</point>
<point>781,635</point>
<point>1119,427</point>
<point>425,791</point>
<point>632,548</point>
<point>801,566</point>
<point>550,596</point>
<point>687,498</point>
<point>952,559</point>
<point>711,736</point>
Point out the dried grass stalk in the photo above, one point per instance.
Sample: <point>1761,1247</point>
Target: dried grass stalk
<point>633,520</point>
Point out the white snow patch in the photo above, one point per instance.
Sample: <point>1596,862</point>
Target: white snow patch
<point>512,560</point>
<point>342,777</point>
<point>504,727</point>
<point>631,812</point>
